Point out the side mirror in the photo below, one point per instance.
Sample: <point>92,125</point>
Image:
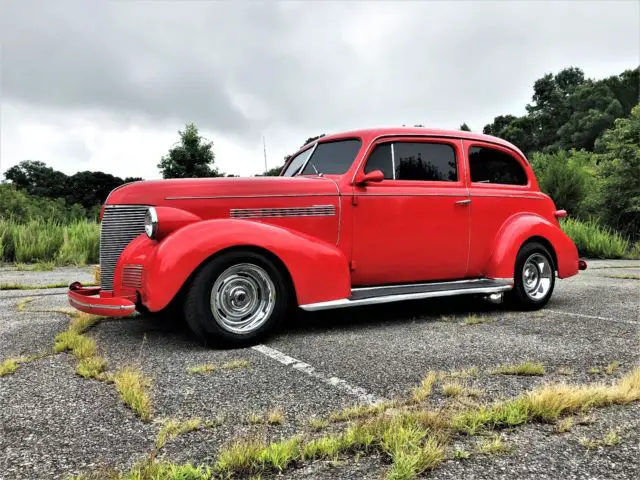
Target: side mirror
<point>376,176</point>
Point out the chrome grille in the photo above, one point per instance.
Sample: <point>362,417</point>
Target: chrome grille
<point>120,225</point>
<point>132,276</point>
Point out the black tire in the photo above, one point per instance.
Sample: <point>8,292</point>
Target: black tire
<point>519,297</point>
<point>198,310</point>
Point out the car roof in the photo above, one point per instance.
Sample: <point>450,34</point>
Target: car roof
<point>371,133</point>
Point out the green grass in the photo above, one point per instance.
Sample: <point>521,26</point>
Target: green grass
<point>21,286</point>
<point>547,403</point>
<point>612,367</point>
<point>134,389</point>
<point>610,439</point>
<point>234,364</point>
<point>492,446</point>
<point>172,428</point>
<point>524,369</point>
<point>421,392</point>
<point>473,319</point>
<point>91,367</point>
<point>46,242</point>
<point>594,240</point>
<point>201,369</point>
<point>410,437</point>
<point>9,366</point>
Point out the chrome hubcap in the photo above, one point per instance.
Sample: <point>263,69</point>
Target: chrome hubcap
<point>243,298</point>
<point>536,276</point>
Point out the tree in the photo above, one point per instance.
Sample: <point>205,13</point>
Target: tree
<point>37,179</point>
<point>192,157</point>
<point>464,127</point>
<point>273,172</point>
<point>312,139</point>
<point>84,188</point>
<point>619,171</point>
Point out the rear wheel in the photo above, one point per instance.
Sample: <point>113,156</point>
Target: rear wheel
<point>236,299</point>
<point>534,277</point>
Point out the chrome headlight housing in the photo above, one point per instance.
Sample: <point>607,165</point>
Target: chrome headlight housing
<point>151,223</point>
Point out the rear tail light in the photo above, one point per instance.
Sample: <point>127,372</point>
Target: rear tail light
<point>560,213</point>
<point>582,264</point>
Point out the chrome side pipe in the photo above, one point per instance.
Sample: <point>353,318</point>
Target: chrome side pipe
<point>495,298</point>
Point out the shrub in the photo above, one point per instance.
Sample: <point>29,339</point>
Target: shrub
<point>594,240</point>
<point>41,240</point>
<point>567,179</point>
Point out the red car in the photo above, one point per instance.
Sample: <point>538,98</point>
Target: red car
<point>357,218</point>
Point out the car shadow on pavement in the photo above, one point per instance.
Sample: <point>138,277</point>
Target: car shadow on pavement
<point>390,313</point>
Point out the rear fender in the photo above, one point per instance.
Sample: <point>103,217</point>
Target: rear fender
<point>519,229</point>
<point>319,271</point>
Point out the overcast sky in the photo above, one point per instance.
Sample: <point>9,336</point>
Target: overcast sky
<point>91,85</point>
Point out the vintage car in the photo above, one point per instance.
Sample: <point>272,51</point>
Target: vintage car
<point>358,218</point>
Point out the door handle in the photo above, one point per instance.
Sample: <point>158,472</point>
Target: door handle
<point>466,201</point>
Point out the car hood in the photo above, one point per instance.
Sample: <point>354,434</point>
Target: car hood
<point>163,192</point>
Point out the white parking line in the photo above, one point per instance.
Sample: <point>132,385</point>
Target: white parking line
<point>361,393</point>
<point>595,317</point>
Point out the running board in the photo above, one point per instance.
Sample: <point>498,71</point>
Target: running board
<point>398,293</point>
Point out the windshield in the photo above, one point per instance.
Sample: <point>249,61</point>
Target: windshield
<point>331,158</point>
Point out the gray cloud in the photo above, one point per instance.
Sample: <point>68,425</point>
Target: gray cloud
<point>239,68</point>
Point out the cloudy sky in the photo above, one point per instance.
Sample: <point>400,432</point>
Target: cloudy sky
<point>105,85</point>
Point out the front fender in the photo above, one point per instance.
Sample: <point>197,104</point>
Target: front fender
<point>520,228</point>
<point>319,271</point>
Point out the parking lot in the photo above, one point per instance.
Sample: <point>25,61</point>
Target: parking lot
<point>53,423</point>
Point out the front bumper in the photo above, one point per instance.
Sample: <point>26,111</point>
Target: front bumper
<point>89,300</point>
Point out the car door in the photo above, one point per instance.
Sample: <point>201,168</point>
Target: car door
<point>499,187</point>
<point>413,226</point>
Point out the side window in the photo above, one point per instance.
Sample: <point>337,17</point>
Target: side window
<point>425,161</point>
<point>489,165</point>
<point>380,159</point>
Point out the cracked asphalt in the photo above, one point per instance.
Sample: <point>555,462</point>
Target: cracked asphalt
<point>54,424</point>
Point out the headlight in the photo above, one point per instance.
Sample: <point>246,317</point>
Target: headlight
<point>151,222</point>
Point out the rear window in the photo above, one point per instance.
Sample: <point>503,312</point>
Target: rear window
<point>489,165</point>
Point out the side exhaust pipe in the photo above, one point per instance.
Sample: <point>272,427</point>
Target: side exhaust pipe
<point>495,298</point>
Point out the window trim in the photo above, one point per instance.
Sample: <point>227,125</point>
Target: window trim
<point>454,143</point>
<point>482,144</point>
<point>335,140</point>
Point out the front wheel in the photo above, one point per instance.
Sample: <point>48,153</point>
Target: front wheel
<point>236,299</point>
<point>534,277</point>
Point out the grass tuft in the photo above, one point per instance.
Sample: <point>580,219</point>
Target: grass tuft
<point>565,425</point>
<point>612,367</point>
<point>275,417</point>
<point>173,428</point>
<point>452,389</point>
<point>359,411</point>
<point>421,392</point>
<point>474,319</point>
<point>547,403</point>
<point>526,368</point>
<point>233,364</point>
<point>133,387</point>
<point>201,369</point>
<point>279,455</point>
<point>80,346</point>
<point>611,439</point>
<point>465,373</point>
<point>22,303</point>
<point>318,424</point>
<point>9,366</point>
<point>91,367</point>
<point>493,446</point>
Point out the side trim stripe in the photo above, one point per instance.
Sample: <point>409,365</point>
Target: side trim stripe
<point>313,211</point>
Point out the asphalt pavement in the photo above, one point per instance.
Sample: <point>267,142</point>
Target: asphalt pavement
<point>54,423</point>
